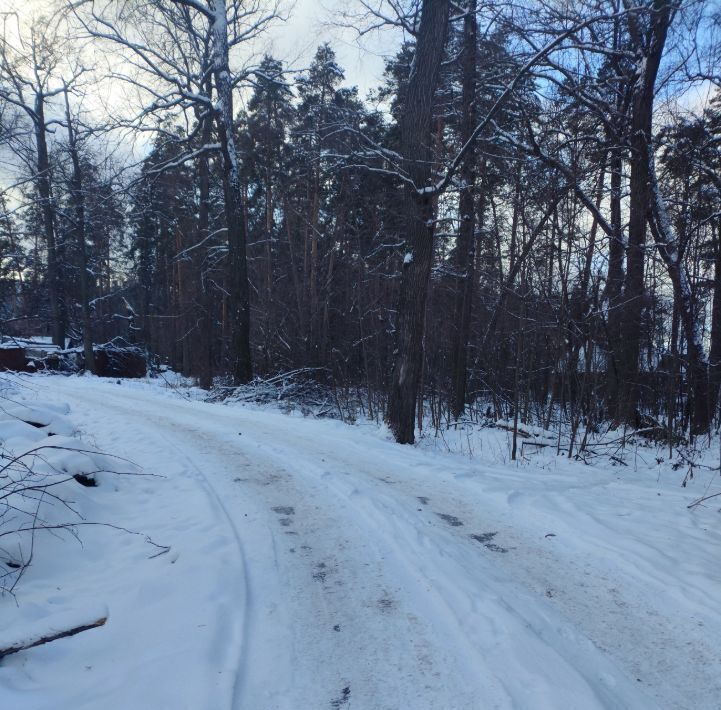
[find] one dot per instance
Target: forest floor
(315, 565)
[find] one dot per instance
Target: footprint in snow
(321, 572)
(486, 540)
(342, 699)
(285, 511)
(385, 604)
(450, 519)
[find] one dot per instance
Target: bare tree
(175, 53)
(30, 77)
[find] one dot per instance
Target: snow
(47, 417)
(408, 258)
(312, 564)
(641, 69)
(38, 346)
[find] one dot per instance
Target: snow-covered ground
(318, 565)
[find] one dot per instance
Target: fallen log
(52, 636)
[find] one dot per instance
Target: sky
(309, 23)
(312, 22)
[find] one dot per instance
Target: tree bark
(650, 50)
(55, 290)
(664, 235)
(206, 319)
(466, 235)
(715, 352)
(615, 279)
(239, 301)
(78, 199)
(418, 208)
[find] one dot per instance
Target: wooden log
(13, 359)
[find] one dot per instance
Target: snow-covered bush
(46, 473)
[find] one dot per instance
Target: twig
(702, 500)
(23, 646)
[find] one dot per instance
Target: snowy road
(342, 571)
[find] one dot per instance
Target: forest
(360, 354)
(522, 222)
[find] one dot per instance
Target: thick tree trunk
(666, 240)
(54, 277)
(239, 301)
(78, 199)
(629, 344)
(419, 215)
(650, 49)
(205, 346)
(466, 250)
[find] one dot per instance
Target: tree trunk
(206, 302)
(239, 301)
(614, 279)
(55, 290)
(668, 247)
(715, 353)
(418, 208)
(78, 199)
(640, 205)
(664, 235)
(269, 224)
(466, 236)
